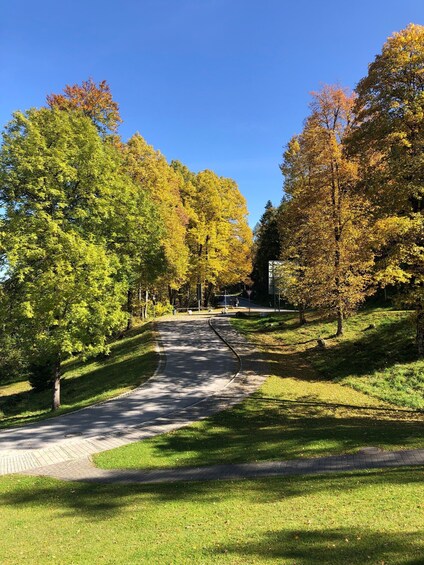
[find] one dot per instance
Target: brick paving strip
(368, 458)
(69, 458)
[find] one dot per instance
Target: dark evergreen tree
(267, 248)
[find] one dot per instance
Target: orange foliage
(95, 101)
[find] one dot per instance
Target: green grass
(286, 419)
(296, 413)
(380, 361)
(132, 360)
(363, 517)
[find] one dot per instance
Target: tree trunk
(302, 317)
(172, 294)
(56, 386)
(420, 332)
(130, 309)
(208, 294)
(339, 322)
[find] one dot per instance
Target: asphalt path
(197, 365)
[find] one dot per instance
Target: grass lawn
(363, 517)
(298, 412)
(132, 360)
(380, 360)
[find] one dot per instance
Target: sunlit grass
(355, 518)
(376, 354)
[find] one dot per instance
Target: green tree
(136, 229)
(67, 299)
(64, 279)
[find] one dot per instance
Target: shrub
(41, 374)
(13, 363)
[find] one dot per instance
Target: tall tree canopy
(388, 138)
(329, 243)
(90, 224)
(154, 176)
(58, 187)
(218, 235)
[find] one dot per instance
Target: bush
(160, 309)
(41, 374)
(13, 364)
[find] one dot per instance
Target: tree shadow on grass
(261, 430)
(290, 519)
(101, 501)
(332, 546)
(374, 350)
(280, 322)
(265, 428)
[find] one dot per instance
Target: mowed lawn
(308, 406)
(376, 354)
(132, 360)
(354, 518)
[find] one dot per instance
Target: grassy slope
(132, 360)
(298, 412)
(380, 361)
(356, 518)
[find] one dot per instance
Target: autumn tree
(388, 139)
(218, 236)
(297, 238)
(329, 244)
(237, 263)
(154, 177)
(93, 100)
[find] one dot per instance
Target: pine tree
(266, 247)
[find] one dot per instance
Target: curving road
(197, 366)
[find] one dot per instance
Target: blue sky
(218, 84)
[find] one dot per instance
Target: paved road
(192, 384)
